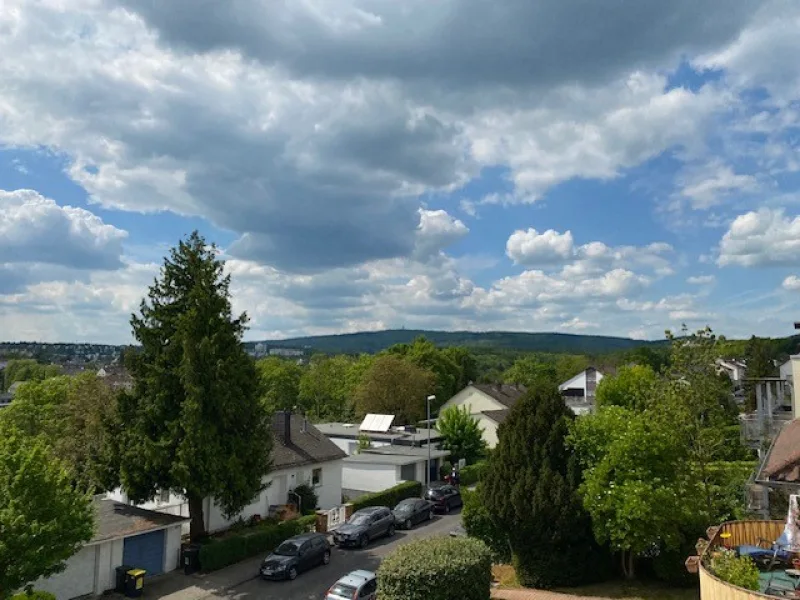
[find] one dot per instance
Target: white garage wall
(369, 477)
(76, 580)
(172, 555)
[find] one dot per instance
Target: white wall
(76, 580)
(795, 388)
(172, 553)
(475, 401)
(369, 477)
(489, 428)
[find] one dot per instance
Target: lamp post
(428, 465)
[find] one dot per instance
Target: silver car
(358, 585)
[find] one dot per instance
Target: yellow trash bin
(134, 583)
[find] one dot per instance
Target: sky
(615, 168)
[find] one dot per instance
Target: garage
(77, 579)
(145, 552)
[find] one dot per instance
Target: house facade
(489, 404)
(579, 391)
(124, 535)
(377, 469)
(346, 436)
(300, 455)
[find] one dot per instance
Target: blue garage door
(145, 551)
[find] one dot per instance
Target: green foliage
(262, 539)
(545, 369)
(472, 474)
(279, 383)
(326, 389)
(364, 443)
(71, 414)
(43, 519)
(463, 436)
(34, 595)
(632, 387)
(736, 570)
(425, 355)
(759, 364)
(193, 421)
(467, 365)
(390, 497)
(478, 523)
(27, 369)
(530, 489)
(393, 385)
(308, 497)
(444, 568)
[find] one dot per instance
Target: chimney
(287, 427)
(304, 426)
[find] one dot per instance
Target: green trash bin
(134, 583)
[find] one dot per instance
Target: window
(369, 588)
(163, 496)
(316, 477)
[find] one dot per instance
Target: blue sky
(552, 166)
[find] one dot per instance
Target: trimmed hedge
(472, 474)
(390, 497)
(445, 568)
(478, 524)
(34, 595)
(256, 540)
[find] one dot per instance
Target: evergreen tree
(193, 422)
(531, 487)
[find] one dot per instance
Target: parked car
(296, 554)
(444, 497)
(358, 585)
(365, 525)
(411, 511)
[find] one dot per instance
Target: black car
(444, 497)
(411, 511)
(296, 554)
(365, 525)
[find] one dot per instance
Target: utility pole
(428, 465)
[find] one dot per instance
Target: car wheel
(326, 558)
(363, 541)
(430, 515)
(292, 574)
(407, 524)
(447, 507)
(390, 531)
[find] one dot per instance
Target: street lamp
(428, 465)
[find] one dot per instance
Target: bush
(308, 498)
(478, 524)
(34, 595)
(736, 570)
(257, 540)
(472, 474)
(390, 497)
(444, 568)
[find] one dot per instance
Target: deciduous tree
(393, 385)
(27, 369)
(631, 387)
(463, 437)
(424, 354)
(325, 393)
(193, 423)
(279, 383)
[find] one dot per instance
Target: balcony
(732, 535)
(758, 430)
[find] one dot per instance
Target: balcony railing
(757, 429)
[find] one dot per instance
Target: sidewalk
(500, 594)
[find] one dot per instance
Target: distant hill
(375, 341)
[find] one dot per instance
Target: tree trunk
(627, 563)
(197, 525)
(631, 565)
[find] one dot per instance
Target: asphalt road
(314, 583)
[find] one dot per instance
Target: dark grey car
(411, 511)
(296, 554)
(365, 525)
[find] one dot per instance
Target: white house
(300, 454)
(735, 369)
(346, 435)
(377, 469)
(579, 391)
(124, 535)
(489, 404)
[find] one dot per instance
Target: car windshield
(342, 589)
(359, 520)
(404, 507)
(287, 549)
(437, 493)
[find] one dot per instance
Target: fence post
(348, 510)
(322, 521)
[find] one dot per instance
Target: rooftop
(115, 520)
(392, 459)
(504, 393)
(782, 463)
(351, 431)
(306, 444)
(498, 416)
(405, 451)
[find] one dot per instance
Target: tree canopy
(27, 369)
(395, 386)
(279, 383)
(632, 386)
(463, 437)
(193, 422)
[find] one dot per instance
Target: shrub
(472, 474)
(308, 498)
(390, 497)
(444, 568)
(34, 595)
(736, 570)
(257, 540)
(478, 524)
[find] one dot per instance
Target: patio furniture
(779, 553)
(781, 587)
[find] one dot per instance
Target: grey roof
(305, 447)
(498, 416)
(422, 452)
(115, 520)
(352, 432)
(505, 394)
(392, 459)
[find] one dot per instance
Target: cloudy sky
(615, 167)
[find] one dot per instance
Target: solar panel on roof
(377, 423)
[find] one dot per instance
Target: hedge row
(256, 540)
(34, 595)
(444, 568)
(390, 497)
(471, 474)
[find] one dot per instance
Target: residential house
(733, 368)
(300, 454)
(346, 436)
(124, 535)
(116, 377)
(579, 391)
(376, 469)
(489, 404)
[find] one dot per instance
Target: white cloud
(761, 238)
(436, 231)
(701, 279)
(792, 283)
(709, 185)
(533, 248)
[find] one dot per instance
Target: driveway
(239, 582)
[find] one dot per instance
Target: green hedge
(34, 595)
(445, 568)
(471, 474)
(390, 497)
(261, 539)
(478, 523)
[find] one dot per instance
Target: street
(233, 583)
